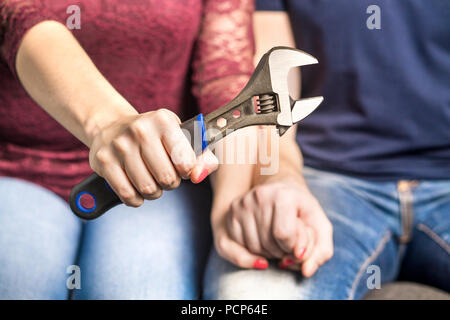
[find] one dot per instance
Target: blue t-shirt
(386, 113)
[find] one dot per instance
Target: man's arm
(225, 185)
(273, 28)
(278, 217)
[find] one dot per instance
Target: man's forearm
(234, 179)
(290, 160)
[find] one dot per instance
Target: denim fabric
(39, 239)
(367, 221)
(157, 251)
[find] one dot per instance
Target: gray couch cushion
(406, 291)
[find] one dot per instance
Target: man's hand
(279, 219)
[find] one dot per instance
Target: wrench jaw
(304, 107)
(300, 110)
(281, 61)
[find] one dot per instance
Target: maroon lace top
(144, 48)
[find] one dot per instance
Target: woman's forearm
(58, 74)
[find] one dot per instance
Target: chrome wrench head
(280, 61)
(273, 106)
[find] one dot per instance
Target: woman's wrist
(100, 119)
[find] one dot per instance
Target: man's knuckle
(235, 205)
(280, 233)
(329, 227)
(260, 194)
(279, 192)
(234, 219)
(265, 242)
(222, 246)
(247, 202)
(328, 254)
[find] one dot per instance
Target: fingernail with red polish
(260, 264)
(288, 262)
(202, 176)
(285, 263)
(301, 254)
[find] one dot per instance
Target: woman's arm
(63, 80)
(223, 64)
(132, 151)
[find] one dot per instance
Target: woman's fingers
(206, 164)
(142, 154)
(318, 250)
(141, 178)
(106, 164)
(125, 149)
(310, 267)
(321, 253)
(180, 151)
(239, 255)
(303, 240)
(119, 182)
(323, 233)
(304, 243)
(152, 152)
(160, 165)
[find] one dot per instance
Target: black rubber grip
(93, 196)
(97, 193)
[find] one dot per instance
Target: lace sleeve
(223, 59)
(16, 17)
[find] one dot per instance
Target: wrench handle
(93, 196)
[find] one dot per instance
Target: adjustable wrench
(265, 100)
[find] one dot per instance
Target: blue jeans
(157, 251)
(381, 229)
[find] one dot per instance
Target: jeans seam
(406, 199)
(366, 263)
(433, 236)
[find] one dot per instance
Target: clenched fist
(279, 220)
(141, 155)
